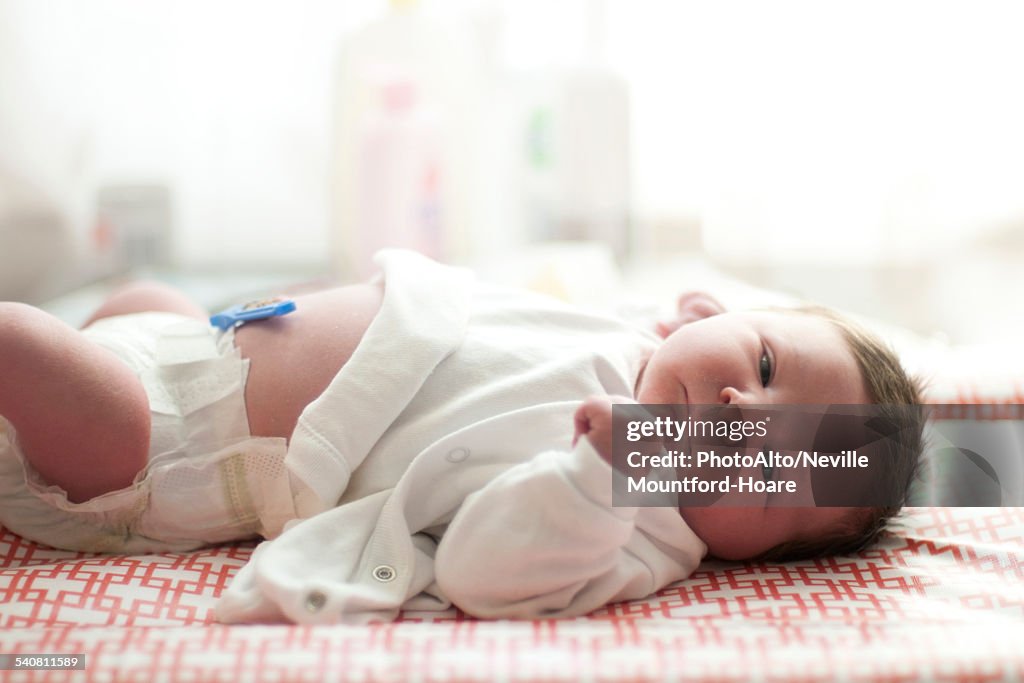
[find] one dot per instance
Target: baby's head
(778, 357)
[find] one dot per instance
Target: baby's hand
(593, 420)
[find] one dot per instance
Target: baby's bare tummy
(294, 358)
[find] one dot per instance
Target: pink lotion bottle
(400, 176)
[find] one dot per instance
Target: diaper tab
(232, 491)
(192, 369)
(185, 342)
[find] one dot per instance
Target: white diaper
(207, 480)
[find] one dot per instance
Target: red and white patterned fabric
(942, 599)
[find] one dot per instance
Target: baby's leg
(81, 415)
(143, 296)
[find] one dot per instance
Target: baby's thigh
(81, 415)
(144, 296)
(295, 357)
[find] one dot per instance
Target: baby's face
(754, 358)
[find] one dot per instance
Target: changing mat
(943, 599)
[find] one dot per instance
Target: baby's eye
(766, 369)
(767, 471)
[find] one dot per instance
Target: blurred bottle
(404, 127)
(35, 242)
(399, 178)
(133, 226)
(576, 149)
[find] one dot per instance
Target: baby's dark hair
(898, 397)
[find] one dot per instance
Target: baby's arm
(544, 539)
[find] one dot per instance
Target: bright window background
(882, 137)
(823, 130)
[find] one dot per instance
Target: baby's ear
(691, 307)
(698, 305)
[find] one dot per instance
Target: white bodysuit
(437, 468)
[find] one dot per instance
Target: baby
(409, 443)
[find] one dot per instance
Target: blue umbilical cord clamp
(254, 310)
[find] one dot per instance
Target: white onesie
(437, 468)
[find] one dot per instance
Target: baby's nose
(731, 395)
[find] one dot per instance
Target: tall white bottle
(404, 124)
(576, 152)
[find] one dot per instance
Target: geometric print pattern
(940, 599)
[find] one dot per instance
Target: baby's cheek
(731, 533)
